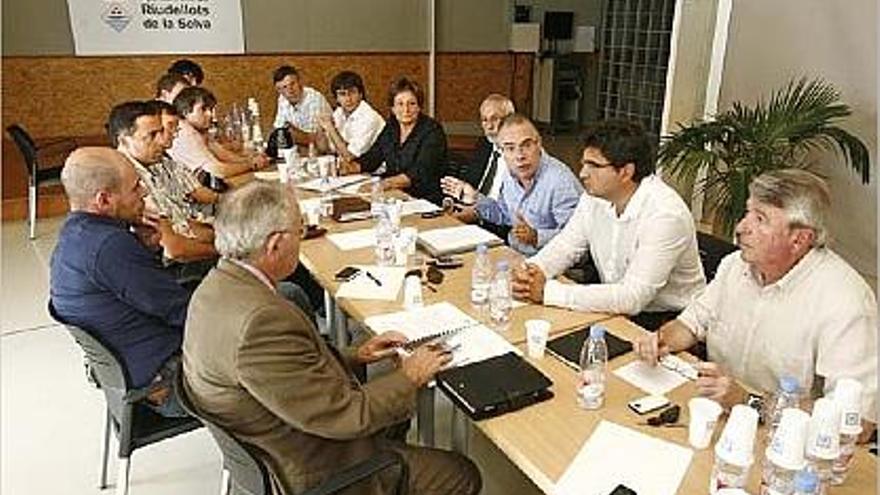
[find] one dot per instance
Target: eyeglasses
(526, 146)
(590, 164)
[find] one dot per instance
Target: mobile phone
(647, 404)
(447, 262)
(432, 214)
(346, 274)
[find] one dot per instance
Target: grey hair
(88, 171)
(502, 101)
(804, 196)
(247, 216)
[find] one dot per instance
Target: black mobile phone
(432, 214)
(346, 274)
(447, 262)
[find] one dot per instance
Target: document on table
(655, 380)
(615, 455)
(268, 175)
(356, 239)
(470, 340)
(459, 239)
(374, 282)
(417, 207)
(332, 183)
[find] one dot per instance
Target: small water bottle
(481, 278)
(280, 142)
(806, 483)
(594, 364)
(787, 395)
(776, 480)
(384, 241)
(848, 396)
(377, 201)
(500, 300)
(312, 164)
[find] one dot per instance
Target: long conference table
(543, 439)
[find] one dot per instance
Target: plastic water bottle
(727, 475)
(848, 396)
(384, 241)
(280, 142)
(777, 480)
(594, 364)
(377, 202)
(481, 278)
(787, 395)
(806, 483)
(500, 301)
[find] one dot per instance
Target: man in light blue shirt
(538, 194)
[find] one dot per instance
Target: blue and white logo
(116, 16)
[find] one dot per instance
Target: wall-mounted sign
(118, 27)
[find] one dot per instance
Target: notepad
(356, 239)
(460, 239)
(417, 206)
(615, 455)
(383, 285)
(655, 380)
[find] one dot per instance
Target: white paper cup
(313, 215)
(283, 172)
(823, 434)
(848, 396)
(412, 292)
(537, 332)
(703, 418)
(737, 441)
(786, 448)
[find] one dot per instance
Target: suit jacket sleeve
(283, 365)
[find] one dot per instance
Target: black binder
(494, 386)
(567, 348)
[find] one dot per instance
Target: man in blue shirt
(103, 278)
(538, 194)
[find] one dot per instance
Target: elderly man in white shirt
(354, 125)
(785, 304)
(637, 229)
(298, 105)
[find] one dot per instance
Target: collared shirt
(547, 204)
(422, 157)
(818, 320)
(161, 199)
(255, 272)
(190, 149)
(360, 129)
(303, 115)
(647, 258)
(104, 280)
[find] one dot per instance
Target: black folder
(567, 348)
(494, 386)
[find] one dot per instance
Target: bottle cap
(502, 265)
(597, 332)
(788, 384)
(481, 248)
(806, 481)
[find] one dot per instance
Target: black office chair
(135, 424)
(712, 251)
(37, 174)
(244, 473)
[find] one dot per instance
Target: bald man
(105, 281)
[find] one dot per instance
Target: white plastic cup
(704, 415)
(412, 292)
(786, 448)
(737, 443)
(823, 434)
(537, 332)
(848, 396)
(283, 172)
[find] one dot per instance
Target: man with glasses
(538, 193)
(637, 229)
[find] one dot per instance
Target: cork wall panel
(71, 96)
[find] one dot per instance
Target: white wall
(773, 41)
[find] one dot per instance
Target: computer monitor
(558, 25)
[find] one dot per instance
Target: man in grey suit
(255, 364)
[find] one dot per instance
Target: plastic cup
(703, 418)
(848, 396)
(412, 292)
(823, 434)
(537, 332)
(283, 172)
(313, 215)
(737, 441)
(786, 448)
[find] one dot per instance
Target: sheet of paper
(356, 239)
(473, 342)
(384, 285)
(615, 455)
(456, 239)
(332, 183)
(417, 207)
(655, 380)
(268, 175)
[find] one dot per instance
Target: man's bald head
(88, 171)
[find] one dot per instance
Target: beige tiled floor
(52, 418)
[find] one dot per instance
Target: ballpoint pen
(373, 278)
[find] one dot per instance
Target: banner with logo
(121, 27)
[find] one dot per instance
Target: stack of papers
(459, 239)
(383, 283)
(356, 239)
(615, 455)
(471, 341)
(333, 183)
(417, 207)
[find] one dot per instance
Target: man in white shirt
(354, 125)
(637, 229)
(785, 304)
(298, 106)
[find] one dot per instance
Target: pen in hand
(373, 278)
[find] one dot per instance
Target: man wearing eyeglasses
(638, 231)
(538, 192)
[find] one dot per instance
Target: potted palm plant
(719, 157)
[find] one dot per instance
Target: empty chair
(135, 424)
(38, 173)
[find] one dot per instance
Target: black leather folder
(494, 386)
(567, 348)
